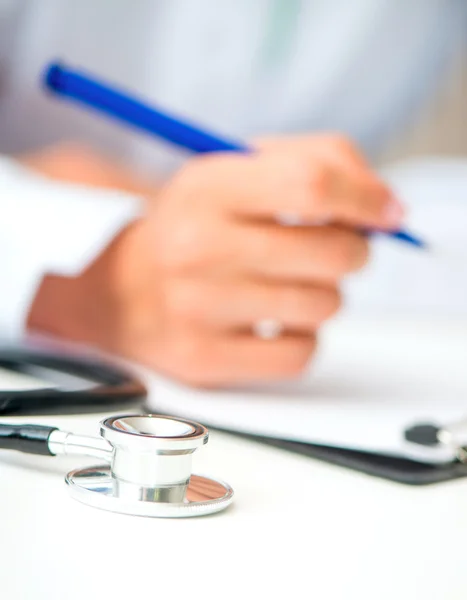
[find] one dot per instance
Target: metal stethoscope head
(148, 465)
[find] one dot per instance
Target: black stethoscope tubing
(114, 386)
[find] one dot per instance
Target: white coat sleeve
(47, 226)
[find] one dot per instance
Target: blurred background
(440, 128)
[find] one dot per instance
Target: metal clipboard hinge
(454, 436)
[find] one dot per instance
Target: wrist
(85, 308)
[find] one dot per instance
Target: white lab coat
(242, 67)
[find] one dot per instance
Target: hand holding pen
(209, 288)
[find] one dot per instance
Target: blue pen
(85, 89)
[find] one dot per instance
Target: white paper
(409, 281)
(371, 380)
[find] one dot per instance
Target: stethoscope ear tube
(32, 439)
(113, 387)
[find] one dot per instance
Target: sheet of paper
(405, 280)
(372, 379)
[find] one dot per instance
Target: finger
(356, 200)
(333, 147)
(267, 186)
(238, 359)
(307, 254)
(340, 151)
(336, 151)
(240, 304)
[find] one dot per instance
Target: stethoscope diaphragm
(96, 487)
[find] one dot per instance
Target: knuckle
(350, 252)
(294, 301)
(361, 253)
(333, 303)
(300, 304)
(317, 305)
(341, 143)
(321, 183)
(326, 303)
(290, 176)
(202, 173)
(320, 179)
(297, 357)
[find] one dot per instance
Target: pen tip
(411, 239)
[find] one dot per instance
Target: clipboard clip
(453, 436)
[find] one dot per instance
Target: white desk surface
(298, 528)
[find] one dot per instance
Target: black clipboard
(399, 470)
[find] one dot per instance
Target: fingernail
(394, 212)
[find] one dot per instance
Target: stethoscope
(148, 458)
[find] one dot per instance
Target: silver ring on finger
(268, 329)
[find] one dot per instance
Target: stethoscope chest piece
(147, 458)
(95, 486)
(150, 470)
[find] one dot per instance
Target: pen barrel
(116, 103)
(97, 95)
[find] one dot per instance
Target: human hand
(183, 288)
